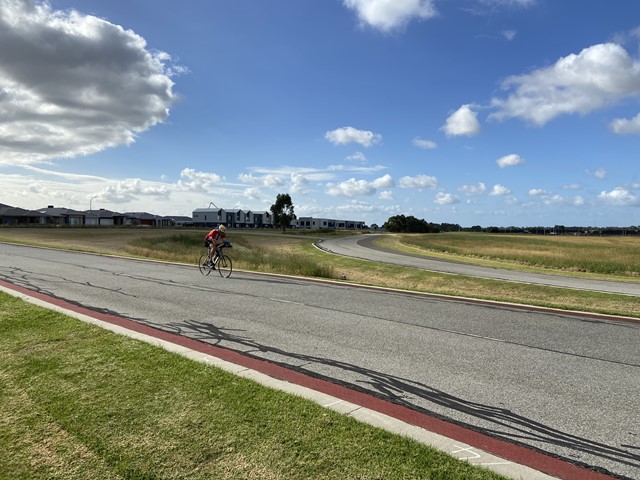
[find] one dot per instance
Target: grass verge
(79, 402)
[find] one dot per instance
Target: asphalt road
(362, 246)
(561, 383)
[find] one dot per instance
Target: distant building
(237, 218)
(311, 222)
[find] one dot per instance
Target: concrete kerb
(453, 447)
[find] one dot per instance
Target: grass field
(610, 256)
(79, 402)
(296, 255)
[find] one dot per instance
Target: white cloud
(353, 187)
(509, 34)
(346, 135)
(74, 84)
(463, 122)
(623, 126)
(194, 181)
(357, 157)
(510, 160)
(559, 200)
(473, 190)
(386, 195)
(386, 181)
(600, 173)
(446, 198)
(425, 144)
(388, 15)
(419, 182)
(596, 78)
(619, 196)
(499, 190)
(252, 193)
(130, 189)
(299, 183)
(272, 181)
(537, 192)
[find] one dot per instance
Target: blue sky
(476, 112)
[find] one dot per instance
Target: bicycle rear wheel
(224, 266)
(203, 264)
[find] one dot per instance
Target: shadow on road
(503, 423)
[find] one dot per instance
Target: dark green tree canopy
(282, 211)
(409, 224)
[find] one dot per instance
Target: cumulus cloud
(388, 15)
(353, 187)
(500, 191)
(419, 181)
(537, 192)
(425, 144)
(559, 200)
(130, 189)
(252, 193)
(463, 122)
(346, 135)
(619, 196)
(510, 160)
(446, 198)
(623, 126)
(194, 181)
(473, 190)
(73, 84)
(597, 77)
(299, 183)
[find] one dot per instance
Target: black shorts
(207, 242)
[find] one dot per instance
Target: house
(62, 216)
(181, 221)
(103, 218)
(19, 216)
(233, 218)
(146, 219)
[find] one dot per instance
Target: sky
(471, 112)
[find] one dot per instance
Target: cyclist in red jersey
(213, 240)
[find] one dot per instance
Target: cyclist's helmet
(222, 228)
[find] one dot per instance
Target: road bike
(221, 262)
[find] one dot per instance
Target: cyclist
(213, 240)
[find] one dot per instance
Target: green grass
(79, 402)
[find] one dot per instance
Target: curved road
(565, 384)
(363, 247)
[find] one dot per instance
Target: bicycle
(221, 262)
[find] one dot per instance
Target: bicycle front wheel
(224, 266)
(203, 264)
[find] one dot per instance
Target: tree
(282, 211)
(410, 224)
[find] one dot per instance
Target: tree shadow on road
(494, 421)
